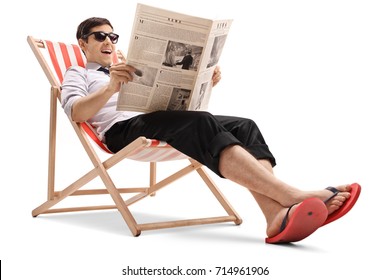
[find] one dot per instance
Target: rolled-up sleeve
(73, 87)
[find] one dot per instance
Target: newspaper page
(175, 56)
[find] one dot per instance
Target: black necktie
(105, 70)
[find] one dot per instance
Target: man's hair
(86, 26)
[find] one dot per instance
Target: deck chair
(55, 58)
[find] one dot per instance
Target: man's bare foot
(275, 220)
(337, 201)
(333, 204)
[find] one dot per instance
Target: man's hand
(120, 73)
(216, 76)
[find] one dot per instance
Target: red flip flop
(347, 206)
(306, 219)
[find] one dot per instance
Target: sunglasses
(101, 36)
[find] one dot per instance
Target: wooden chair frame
(100, 169)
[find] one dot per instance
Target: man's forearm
(86, 107)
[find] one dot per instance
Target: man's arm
(87, 106)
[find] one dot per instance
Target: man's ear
(82, 44)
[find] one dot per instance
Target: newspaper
(175, 56)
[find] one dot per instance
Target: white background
(313, 74)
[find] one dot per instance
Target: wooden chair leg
(52, 142)
(153, 175)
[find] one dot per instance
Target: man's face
(99, 52)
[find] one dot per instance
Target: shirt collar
(92, 66)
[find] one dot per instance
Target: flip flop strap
(284, 222)
(334, 191)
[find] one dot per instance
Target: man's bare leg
(239, 166)
(273, 211)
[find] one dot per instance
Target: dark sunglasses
(101, 36)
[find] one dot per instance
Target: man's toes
(332, 208)
(336, 202)
(344, 188)
(342, 196)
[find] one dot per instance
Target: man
(232, 147)
(187, 60)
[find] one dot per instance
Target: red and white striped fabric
(156, 151)
(63, 56)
